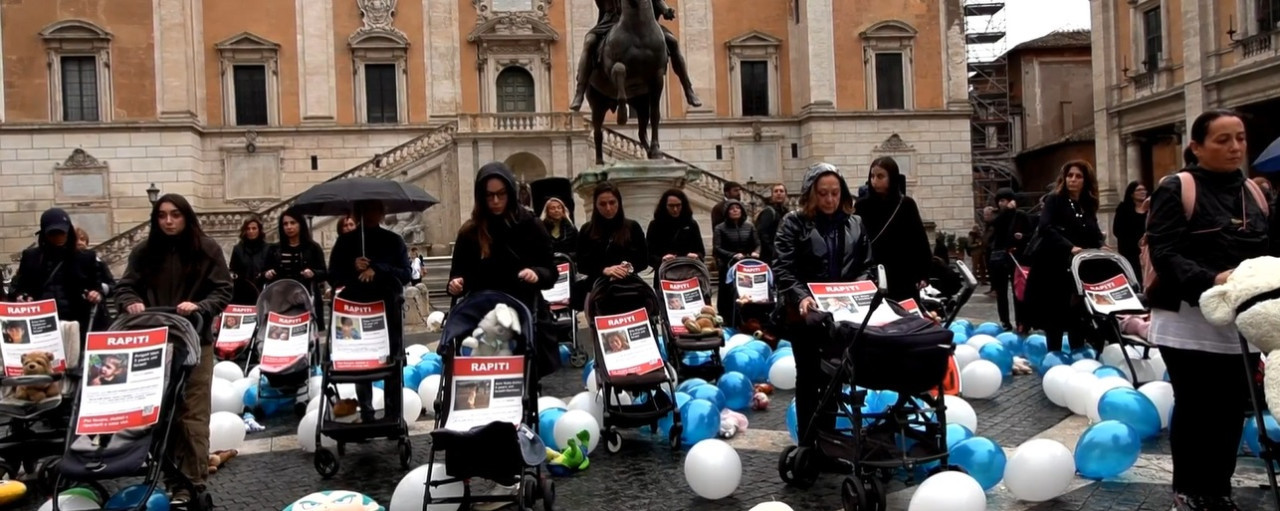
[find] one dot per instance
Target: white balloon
(713, 469)
(314, 385)
(618, 399)
(1099, 388)
(574, 421)
(1112, 355)
(226, 431)
(314, 404)
(965, 354)
(1146, 371)
(1039, 470)
(428, 391)
(772, 506)
(412, 408)
(1086, 366)
(242, 385)
(546, 402)
(593, 384)
(959, 412)
(1161, 394)
(783, 373)
(733, 342)
(415, 351)
(949, 491)
(307, 433)
(978, 341)
(1156, 363)
(1079, 386)
(410, 491)
(71, 502)
(255, 374)
(980, 379)
(1055, 384)
(379, 399)
(224, 397)
(590, 403)
(227, 370)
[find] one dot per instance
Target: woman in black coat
(564, 236)
(1068, 225)
(673, 232)
(298, 257)
(249, 260)
(897, 233)
(735, 239)
(609, 245)
(1130, 224)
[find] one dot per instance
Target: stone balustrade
(532, 122)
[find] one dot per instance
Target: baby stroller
(909, 356)
(1106, 282)
(244, 295)
(36, 430)
(500, 443)
(950, 288)
(284, 375)
(388, 423)
(633, 298)
(563, 316)
(672, 282)
(756, 298)
(98, 446)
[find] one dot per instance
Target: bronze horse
(632, 71)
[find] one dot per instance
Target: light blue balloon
(982, 458)
(1050, 360)
(784, 344)
(959, 337)
(251, 396)
(737, 390)
(793, 423)
(547, 426)
(412, 378)
(1013, 342)
(587, 370)
(378, 384)
(701, 421)
(1105, 371)
(999, 355)
(780, 353)
(1084, 353)
(965, 324)
(957, 433)
(688, 385)
(1250, 434)
(665, 423)
(710, 393)
(1007, 337)
(747, 362)
(1037, 348)
(429, 366)
(1107, 449)
(987, 328)
(565, 353)
(1130, 407)
(760, 347)
(131, 497)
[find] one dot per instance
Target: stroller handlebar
(195, 318)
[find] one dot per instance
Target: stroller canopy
(286, 297)
(465, 316)
(685, 268)
(184, 337)
(621, 296)
(549, 188)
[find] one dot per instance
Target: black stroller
(756, 299)
(388, 423)
(284, 376)
(562, 314)
(507, 451)
(671, 283)
(624, 297)
(244, 299)
(910, 356)
(950, 288)
(97, 449)
(1106, 283)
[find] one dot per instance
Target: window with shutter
(79, 88)
(890, 81)
(755, 87)
(251, 95)
(380, 93)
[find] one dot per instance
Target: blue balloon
(701, 421)
(251, 396)
(999, 355)
(565, 353)
(1085, 353)
(435, 357)
(1130, 407)
(1250, 435)
(780, 353)
(784, 344)
(1013, 342)
(957, 433)
(729, 332)
(1037, 348)
(793, 422)
(696, 358)
(982, 459)
(131, 497)
(1007, 337)
(988, 328)
(737, 390)
(1107, 449)
(959, 337)
(412, 378)
(760, 347)
(710, 393)
(547, 426)
(1105, 371)
(587, 370)
(880, 400)
(378, 384)
(747, 362)
(665, 423)
(965, 324)
(1051, 360)
(429, 366)
(688, 385)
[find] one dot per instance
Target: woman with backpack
(1191, 250)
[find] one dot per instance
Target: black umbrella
(552, 188)
(338, 198)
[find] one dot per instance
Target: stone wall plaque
(512, 5)
(758, 161)
(253, 175)
(86, 186)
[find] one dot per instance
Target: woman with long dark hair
(1130, 224)
(897, 234)
(297, 257)
(673, 232)
(55, 269)
(555, 219)
(609, 245)
(249, 258)
(179, 266)
(734, 239)
(1068, 225)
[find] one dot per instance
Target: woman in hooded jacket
(55, 269)
(734, 240)
(823, 241)
(298, 257)
(673, 232)
(249, 260)
(898, 237)
(555, 219)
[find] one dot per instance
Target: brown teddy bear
(37, 363)
(706, 322)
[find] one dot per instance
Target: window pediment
(754, 39)
(513, 26)
(890, 29)
(246, 41)
(74, 29)
(378, 40)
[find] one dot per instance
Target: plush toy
(731, 423)
(220, 458)
(493, 338)
(572, 459)
(335, 500)
(706, 322)
(37, 363)
(1251, 298)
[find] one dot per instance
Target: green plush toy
(573, 458)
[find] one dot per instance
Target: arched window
(515, 90)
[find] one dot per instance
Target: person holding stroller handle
(298, 257)
(823, 241)
(1226, 227)
(179, 266)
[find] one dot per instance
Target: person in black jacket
(1226, 227)
(609, 245)
(555, 220)
(1010, 231)
(55, 269)
(897, 232)
(298, 257)
(1130, 223)
(249, 260)
(673, 232)
(734, 240)
(769, 219)
(504, 248)
(821, 242)
(1068, 225)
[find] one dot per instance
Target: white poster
(628, 343)
(236, 327)
(286, 342)
(559, 294)
(752, 281)
(124, 381)
(1114, 295)
(360, 338)
(485, 390)
(682, 300)
(850, 302)
(30, 327)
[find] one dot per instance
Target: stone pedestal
(641, 182)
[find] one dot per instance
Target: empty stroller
(684, 285)
(1106, 282)
(562, 314)
(284, 343)
(909, 356)
(123, 421)
(756, 299)
(624, 316)
(361, 350)
(237, 320)
(487, 411)
(950, 288)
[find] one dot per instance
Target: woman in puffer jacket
(734, 239)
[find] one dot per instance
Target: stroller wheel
(796, 467)
(578, 359)
(673, 436)
(548, 493)
(203, 501)
(342, 448)
(874, 489)
(326, 463)
(852, 496)
(528, 492)
(47, 474)
(7, 472)
(406, 452)
(613, 440)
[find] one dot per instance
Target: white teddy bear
(1251, 297)
(493, 337)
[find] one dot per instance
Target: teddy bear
(1251, 298)
(705, 322)
(493, 337)
(36, 363)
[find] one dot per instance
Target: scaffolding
(992, 122)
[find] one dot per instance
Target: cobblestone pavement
(272, 472)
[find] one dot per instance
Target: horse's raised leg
(599, 108)
(654, 118)
(618, 73)
(642, 120)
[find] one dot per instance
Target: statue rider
(610, 11)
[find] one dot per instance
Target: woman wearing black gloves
(610, 245)
(299, 258)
